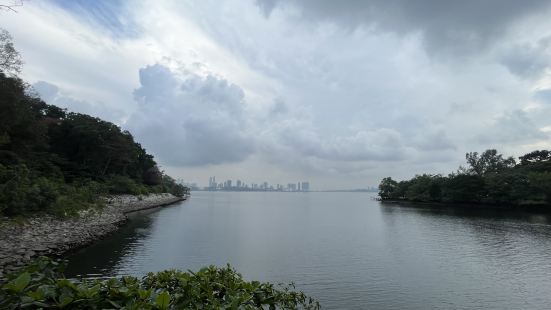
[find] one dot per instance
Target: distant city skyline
(239, 185)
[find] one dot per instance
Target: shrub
(42, 285)
(21, 191)
(118, 184)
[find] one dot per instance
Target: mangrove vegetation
(488, 178)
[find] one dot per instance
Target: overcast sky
(340, 93)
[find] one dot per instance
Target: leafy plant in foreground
(42, 285)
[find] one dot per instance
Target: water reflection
(101, 258)
(346, 249)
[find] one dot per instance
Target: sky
(338, 93)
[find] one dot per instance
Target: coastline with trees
(488, 179)
(66, 179)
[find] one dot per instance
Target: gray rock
(20, 243)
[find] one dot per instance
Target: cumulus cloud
(194, 120)
(187, 119)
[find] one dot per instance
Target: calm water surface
(345, 249)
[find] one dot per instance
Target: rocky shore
(20, 242)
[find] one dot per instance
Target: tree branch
(11, 7)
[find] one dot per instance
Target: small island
(488, 179)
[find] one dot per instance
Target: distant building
(212, 183)
(305, 186)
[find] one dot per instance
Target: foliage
(10, 59)
(489, 178)
(42, 285)
(488, 162)
(388, 189)
(23, 190)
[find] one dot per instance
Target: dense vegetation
(42, 285)
(489, 178)
(57, 161)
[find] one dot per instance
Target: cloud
(511, 128)
(343, 92)
(434, 141)
(107, 15)
(529, 61)
(51, 94)
(190, 120)
(543, 95)
(456, 27)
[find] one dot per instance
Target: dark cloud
(529, 61)
(190, 120)
(458, 27)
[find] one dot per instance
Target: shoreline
(471, 206)
(47, 235)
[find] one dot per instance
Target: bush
(42, 285)
(21, 191)
(118, 184)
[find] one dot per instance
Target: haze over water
(345, 249)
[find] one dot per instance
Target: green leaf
(65, 301)
(114, 304)
(144, 294)
(21, 282)
(163, 300)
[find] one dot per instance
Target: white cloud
(190, 119)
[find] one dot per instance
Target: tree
(424, 188)
(10, 59)
(535, 157)
(463, 188)
(387, 188)
(153, 176)
(11, 6)
(489, 161)
(542, 183)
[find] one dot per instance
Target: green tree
(387, 188)
(424, 188)
(541, 181)
(488, 162)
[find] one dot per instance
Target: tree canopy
(488, 178)
(10, 60)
